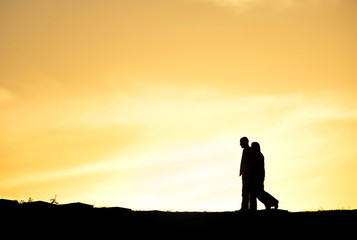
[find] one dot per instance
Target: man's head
(244, 142)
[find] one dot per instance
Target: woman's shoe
(276, 205)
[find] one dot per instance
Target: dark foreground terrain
(84, 221)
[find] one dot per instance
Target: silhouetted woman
(267, 199)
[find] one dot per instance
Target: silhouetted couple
(253, 174)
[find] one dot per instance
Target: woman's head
(255, 146)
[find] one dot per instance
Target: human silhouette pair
(252, 171)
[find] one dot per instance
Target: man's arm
(241, 164)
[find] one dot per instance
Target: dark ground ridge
(80, 220)
(6, 204)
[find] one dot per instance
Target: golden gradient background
(141, 103)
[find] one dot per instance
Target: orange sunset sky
(141, 103)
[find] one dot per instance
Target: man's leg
(252, 202)
(245, 195)
(245, 202)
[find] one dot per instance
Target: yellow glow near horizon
(141, 104)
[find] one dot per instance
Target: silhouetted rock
(40, 205)
(6, 204)
(117, 210)
(76, 205)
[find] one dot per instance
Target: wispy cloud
(6, 96)
(279, 4)
(244, 3)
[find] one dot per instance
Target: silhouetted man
(247, 171)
